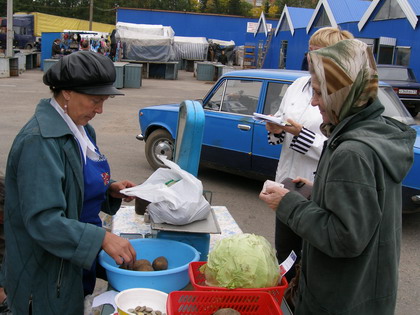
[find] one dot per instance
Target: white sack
(179, 203)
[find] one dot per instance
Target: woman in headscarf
(351, 227)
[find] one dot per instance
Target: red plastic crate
(198, 281)
(208, 302)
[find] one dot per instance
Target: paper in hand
(272, 119)
(269, 184)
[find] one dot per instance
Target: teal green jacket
(352, 226)
(46, 245)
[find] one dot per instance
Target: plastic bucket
(131, 298)
(179, 256)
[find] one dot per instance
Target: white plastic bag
(176, 196)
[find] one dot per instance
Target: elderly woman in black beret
(57, 182)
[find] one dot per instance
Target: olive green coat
(352, 227)
(46, 246)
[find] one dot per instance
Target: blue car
(404, 83)
(235, 142)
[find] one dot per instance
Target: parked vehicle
(23, 29)
(404, 83)
(235, 142)
(28, 27)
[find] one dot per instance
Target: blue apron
(96, 182)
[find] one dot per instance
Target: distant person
(74, 43)
(105, 47)
(85, 45)
(222, 58)
(38, 45)
(65, 44)
(304, 65)
(56, 48)
(113, 50)
(210, 53)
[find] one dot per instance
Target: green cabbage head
(242, 261)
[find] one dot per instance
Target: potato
(141, 265)
(160, 263)
(144, 267)
(226, 311)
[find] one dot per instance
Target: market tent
(146, 42)
(192, 48)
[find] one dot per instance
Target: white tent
(192, 48)
(146, 42)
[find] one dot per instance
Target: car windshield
(396, 74)
(393, 106)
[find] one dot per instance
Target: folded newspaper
(267, 118)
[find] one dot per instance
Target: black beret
(85, 72)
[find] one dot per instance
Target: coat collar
(51, 124)
(371, 112)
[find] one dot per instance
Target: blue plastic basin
(179, 256)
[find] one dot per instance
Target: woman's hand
(120, 249)
(273, 128)
(303, 180)
(294, 128)
(273, 195)
(115, 187)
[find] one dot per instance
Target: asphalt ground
(117, 127)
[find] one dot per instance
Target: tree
(214, 6)
(104, 10)
(266, 6)
(274, 11)
(234, 7)
(202, 5)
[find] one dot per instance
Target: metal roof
(411, 9)
(348, 10)
(415, 5)
(300, 16)
(340, 11)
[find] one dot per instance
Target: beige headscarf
(348, 79)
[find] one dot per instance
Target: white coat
(299, 154)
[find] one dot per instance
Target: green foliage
(104, 10)
(266, 6)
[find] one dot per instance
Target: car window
(393, 106)
(236, 96)
(274, 96)
(397, 74)
(216, 100)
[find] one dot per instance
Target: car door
(265, 157)
(229, 126)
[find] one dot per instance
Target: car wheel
(159, 142)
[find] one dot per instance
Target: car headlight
(416, 199)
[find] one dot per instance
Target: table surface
(127, 221)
